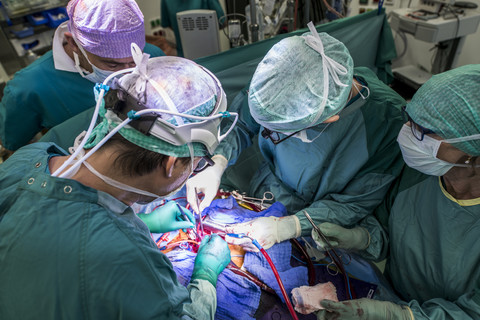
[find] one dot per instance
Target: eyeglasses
(203, 164)
(275, 136)
(417, 130)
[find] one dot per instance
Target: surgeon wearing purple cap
(87, 48)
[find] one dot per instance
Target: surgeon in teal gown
(169, 9)
(336, 165)
(52, 89)
(431, 216)
(71, 247)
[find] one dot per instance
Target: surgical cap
(191, 89)
(106, 28)
(287, 88)
(449, 105)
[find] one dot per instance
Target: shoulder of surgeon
(153, 50)
(40, 75)
(379, 91)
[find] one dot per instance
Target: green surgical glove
(356, 238)
(167, 218)
(363, 309)
(212, 257)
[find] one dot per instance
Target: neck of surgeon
(463, 183)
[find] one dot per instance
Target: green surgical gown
(169, 9)
(433, 252)
(68, 251)
(40, 96)
(340, 177)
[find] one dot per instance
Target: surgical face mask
(422, 155)
(97, 76)
(364, 97)
(302, 135)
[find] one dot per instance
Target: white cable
(124, 123)
(92, 123)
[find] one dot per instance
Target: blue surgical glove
(212, 257)
(167, 218)
(363, 309)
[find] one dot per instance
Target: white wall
(151, 11)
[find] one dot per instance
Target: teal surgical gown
(40, 96)
(340, 177)
(433, 252)
(68, 251)
(169, 9)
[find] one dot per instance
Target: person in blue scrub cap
(92, 44)
(326, 132)
(431, 216)
(70, 243)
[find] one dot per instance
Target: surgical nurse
(71, 245)
(92, 44)
(327, 134)
(431, 216)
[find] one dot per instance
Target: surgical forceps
(197, 200)
(336, 260)
(260, 203)
(186, 218)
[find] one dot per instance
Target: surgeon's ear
(70, 42)
(170, 165)
(332, 119)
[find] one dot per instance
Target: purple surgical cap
(106, 28)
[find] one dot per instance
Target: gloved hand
(167, 218)
(266, 230)
(207, 182)
(363, 309)
(212, 257)
(356, 238)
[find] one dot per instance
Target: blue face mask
(422, 155)
(97, 76)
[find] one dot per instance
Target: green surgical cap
(287, 88)
(449, 105)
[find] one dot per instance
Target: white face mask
(302, 135)
(422, 155)
(97, 76)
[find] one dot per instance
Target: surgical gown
(434, 252)
(169, 9)
(68, 251)
(343, 174)
(40, 96)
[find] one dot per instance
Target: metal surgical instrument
(187, 219)
(337, 261)
(198, 208)
(261, 203)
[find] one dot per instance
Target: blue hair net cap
(287, 88)
(449, 105)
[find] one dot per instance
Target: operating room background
(417, 52)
